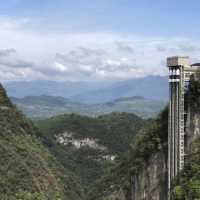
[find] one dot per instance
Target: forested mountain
(136, 175)
(142, 174)
(28, 171)
(48, 106)
(114, 156)
(89, 146)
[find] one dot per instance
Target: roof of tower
(177, 61)
(196, 64)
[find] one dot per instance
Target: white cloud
(29, 51)
(60, 67)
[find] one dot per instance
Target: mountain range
(150, 87)
(48, 106)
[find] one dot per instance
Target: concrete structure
(179, 77)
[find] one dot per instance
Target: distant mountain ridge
(65, 89)
(129, 98)
(42, 100)
(150, 87)
(48, 106)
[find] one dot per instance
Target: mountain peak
(129, 98)
(4, 100)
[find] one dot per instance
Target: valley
(88, 146)
(99, 100)
(108, 151)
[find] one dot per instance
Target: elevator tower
(179, 77)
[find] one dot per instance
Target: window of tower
(182, 151)
(187, 75)
(182, 144)
(182, 137)
(182, 129)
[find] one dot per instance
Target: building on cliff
(179, 77)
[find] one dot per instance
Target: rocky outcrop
(68, 139)
(149, 183)
(192, 128)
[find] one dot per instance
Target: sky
(89, 40)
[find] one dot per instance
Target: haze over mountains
(42, 99)
(48, 106)
(150, 87)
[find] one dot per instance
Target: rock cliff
(142, 175)
(149, 183)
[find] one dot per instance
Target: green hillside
(115, 184)
(109, 134)
(28, 171)
(48, 106)
(152, 139)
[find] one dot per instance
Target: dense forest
(116, 184)
(113, 133)
(28, 171)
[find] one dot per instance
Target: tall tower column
(176, 117)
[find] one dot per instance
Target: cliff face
(142, 174)
(151, 180)
(192, 128)
(188, 184)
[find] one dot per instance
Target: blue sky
(146, 17)
(89, 39)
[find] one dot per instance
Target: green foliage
(22, 195)
(4, 101)
(114, 131)
(151, 139)
(188, 184)
(28, 171)
(178, 193)
(147, 142)
(193, 95)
